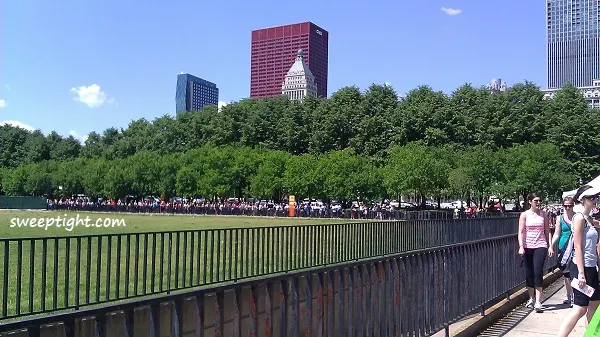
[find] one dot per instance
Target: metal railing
(413, 293)
(368, 214)
(41, 275)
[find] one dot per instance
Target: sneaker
(529, 303)
(538, 307)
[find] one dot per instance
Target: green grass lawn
(57, 270)
(135, 223)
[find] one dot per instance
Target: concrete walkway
(526, 322)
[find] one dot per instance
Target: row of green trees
(370, 122)
(208, 171)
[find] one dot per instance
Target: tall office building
(192, 93)
(573, 42)
(274, 51)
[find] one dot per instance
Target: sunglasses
(568, 206)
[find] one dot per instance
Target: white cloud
(387, 84)
(92, 96)
(2, 103)
(451, 11)
(221, 105)
(81, 138)
(18, 124)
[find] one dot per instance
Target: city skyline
(109, 66)
(273, 51)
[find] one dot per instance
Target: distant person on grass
(534, 236)
(585, 260)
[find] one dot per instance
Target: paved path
(526, 322)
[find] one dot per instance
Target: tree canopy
(355, 144)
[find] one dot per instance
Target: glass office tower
(192, 93)
(573, 42)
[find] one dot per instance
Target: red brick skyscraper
(274, 50)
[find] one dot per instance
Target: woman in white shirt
(585, 261)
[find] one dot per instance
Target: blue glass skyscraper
(193, 93)
(573, 42)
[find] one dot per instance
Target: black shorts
(591, 278)
(565, 271)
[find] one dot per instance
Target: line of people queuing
(379, 211)
(576, 236)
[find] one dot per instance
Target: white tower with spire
(299, 81)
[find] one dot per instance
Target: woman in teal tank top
(562, 234)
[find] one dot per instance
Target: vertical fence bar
(108, 265)
(218, 261)
(67, 270)
(185, 254)
(169, 260)
(118, 269)
(99, 268)
(192, 246)
(54, 276)
(153, 271)
(145, 269)
(31, 274)
(128, 263)
(19, 277)
(44, 266)
(78, 273)
(177, 255)
(199, 235)
(136, 265)
(5, 281)
(206, 261)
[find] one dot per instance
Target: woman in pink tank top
(534, 235)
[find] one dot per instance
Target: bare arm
(598, 254)
(549, 234)
(578, 226)
(557, 231)
(521, 229)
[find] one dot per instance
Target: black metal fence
(368, 214)
(412, 293)
(40, 275)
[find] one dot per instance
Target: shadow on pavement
(512, 319)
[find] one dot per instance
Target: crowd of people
(575, 235)
(234, 206)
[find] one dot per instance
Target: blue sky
(76, 66)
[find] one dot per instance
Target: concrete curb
(476, 325)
